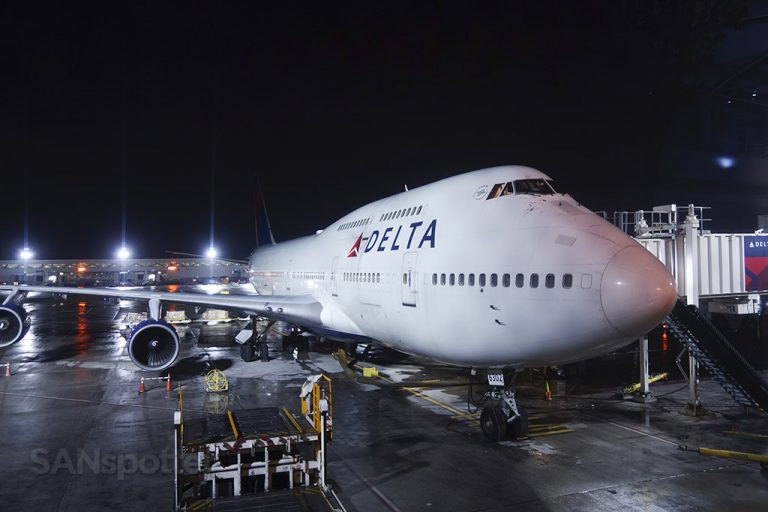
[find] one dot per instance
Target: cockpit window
(501, 189)
(495, 191)
(533, 186)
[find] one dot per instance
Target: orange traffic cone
(168, 383)
(8, 370)
(141, 385)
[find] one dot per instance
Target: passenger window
(452, 279)
(442, 279)
(505, 280)
(494, 280)
(378, 277)
(461, 279)
(471, 280)
(481, 280)
(434, 279)
(407, 213)
(567, 280)
(586, 281)
(534, 280)
(549, 281)
(418, 211)
(519, 280)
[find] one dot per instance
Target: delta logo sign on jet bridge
(756, 263)
(387, 241)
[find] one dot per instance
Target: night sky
(332, 105)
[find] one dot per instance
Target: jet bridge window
(535, 186)
(549, 281)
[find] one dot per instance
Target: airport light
(212, 252)
(123, 253)
(26, 254)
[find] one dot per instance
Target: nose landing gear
(502, 416)
(254, 340)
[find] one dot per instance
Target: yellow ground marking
(438, 403)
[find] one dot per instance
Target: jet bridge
(726, 270)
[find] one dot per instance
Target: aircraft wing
(301, 310)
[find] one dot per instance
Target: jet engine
(153, 345)
(14, 324)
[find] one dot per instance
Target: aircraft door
(408, 278)
(287, 284)
(334, 268)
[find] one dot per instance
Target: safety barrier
(167, 380)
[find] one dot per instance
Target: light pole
(25, 255)
(123, 253)
(211, 253)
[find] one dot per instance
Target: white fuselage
(446, 272)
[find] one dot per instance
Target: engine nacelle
(153, 345)
(14, 324)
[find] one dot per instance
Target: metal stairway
(718, 356)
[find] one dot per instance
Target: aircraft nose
(637, 291)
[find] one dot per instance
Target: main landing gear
(253, 339)
(501, 416)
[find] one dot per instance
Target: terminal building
(116, 272)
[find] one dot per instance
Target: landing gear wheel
(492, 423)
(247, 352)
(519, 427)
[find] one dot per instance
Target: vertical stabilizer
(263, 228)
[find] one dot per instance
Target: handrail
(724, 355)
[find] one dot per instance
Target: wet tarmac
(77, 435)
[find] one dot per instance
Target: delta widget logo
(415, 235)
